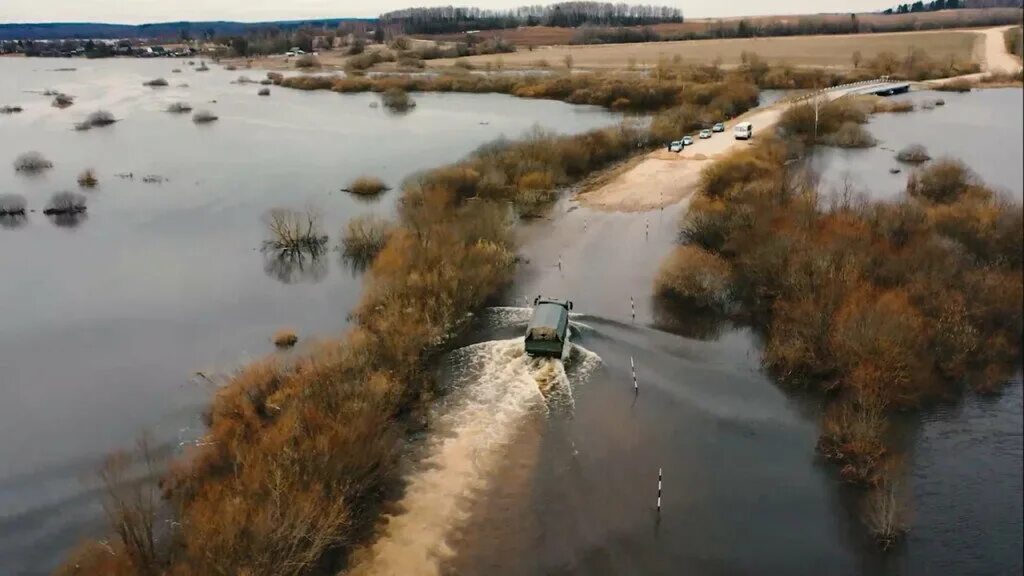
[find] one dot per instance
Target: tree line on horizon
(449, 19)
(935, 5)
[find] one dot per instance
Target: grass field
(869, 22)
(797, 50)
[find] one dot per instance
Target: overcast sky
(139, 11)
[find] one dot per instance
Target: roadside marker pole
(647, 229)
(632, 368)
(659, 491)
(632, 308)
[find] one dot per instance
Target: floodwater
(106, 319)
(574, 491)
(982, 128)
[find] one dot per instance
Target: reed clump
(12, 205)
(366, 186)
(88, 179)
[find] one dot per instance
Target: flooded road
(105, 321)
(744, 489)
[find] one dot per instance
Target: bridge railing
(816, 93)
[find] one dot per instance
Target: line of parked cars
(678, 145)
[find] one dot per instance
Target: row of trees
(932, 6)
(448, 19)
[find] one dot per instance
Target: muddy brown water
(105, 319)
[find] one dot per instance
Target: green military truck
(548, 331)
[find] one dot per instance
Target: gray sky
(139, 11)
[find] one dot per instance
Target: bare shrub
(294, 230)
(275, 77)
(202, 67)
(853, 437)
(365, 236)
(65, 203)
(307, 61)
(464, 64)
(179, 108)
(204, 117)
(244, 80)
(156, 83)
(695, 276)
(176, 71)
(397, 100)
(12, 204)
(87, 179)
(913, 154)
(10, 109)
(63, 100)
(100, 118)
(942, 181)
(885, 510)
(366, 186)
(263, 92)
(285, 338)
(32, 163)
(850, 135)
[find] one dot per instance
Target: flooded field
(982, 129)
(111, 322)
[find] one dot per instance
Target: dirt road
(996, 58)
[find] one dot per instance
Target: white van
(743, 131)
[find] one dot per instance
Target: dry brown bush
(913, 154)
(696, 277)
(943, 181)
(365, 236)
(366, 186)
(285, 338)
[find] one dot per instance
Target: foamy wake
(496, 386)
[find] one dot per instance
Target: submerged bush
(285, 338)
(156, 83)
(65, 203)
(263, 92)
(850, 135)
(366, 186)
(179, 108)
(87, 179)
(365, 236)
(943, 181)
(204, 117)
(12, 204)
(100, 118)
(913, 154)
(10, 109)
(397, 100)
(696, 277)
(294, 230)
(63, 101)
(32, 162)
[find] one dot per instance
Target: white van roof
(744, 125)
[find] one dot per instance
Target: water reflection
(68, 219)
(677, 318)
(12, 221)
(295, 266)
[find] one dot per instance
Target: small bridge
(883, 88)
(879, 86)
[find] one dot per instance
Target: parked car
(676, 146)
(705, 134)
(687, 141)
(743, 131)
(720, 127)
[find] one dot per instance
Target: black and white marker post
(659, 492)
(632, 368)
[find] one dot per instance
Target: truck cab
(548, 332)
